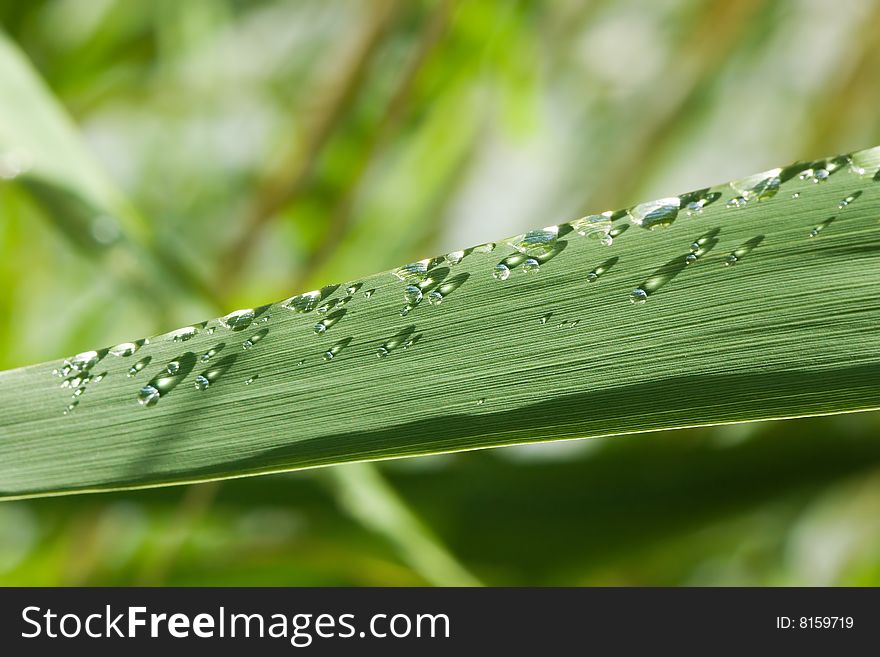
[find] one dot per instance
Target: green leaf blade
(787, 329)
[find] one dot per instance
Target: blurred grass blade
(365, 495)
(38, 138)
(749, 301)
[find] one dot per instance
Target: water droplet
(796, 195)
(820, 175)
(695, 201)
(209, 354)
(655, 214)
(536, 242)
(545, 318)
(760, 186)
(638, 296)
(320, 327)
(148, 396)
(488, 247)
(173, 367)
(435, 298)
(743, 250)
(737, 202)
(818, 229)
(412, 295)
(501, 272)
(138, 366)
(481, 401)
(252, 379)
(71, 407)
(595, 226)
(303, 303)
(382, 352)
(454, 257)
(79, 391)
(300, 362)
(369, 294)
(412, 273)
(694, 208)
(326, 307)
(690, 258)
(531, 266)
(849, 199)
(211, 330)
(83, 362)
(352, 289)
(202, 382)
(72, 382)
(124, 349)
(238, 319)
(182, 334)
(592, 277)
(333, 351)
(99, 377)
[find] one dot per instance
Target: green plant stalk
(786, 331)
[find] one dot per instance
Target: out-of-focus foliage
(273, 145)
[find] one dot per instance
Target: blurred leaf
(37, 132)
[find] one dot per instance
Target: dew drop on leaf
(148, 396)
(501, 272)
(638, 296)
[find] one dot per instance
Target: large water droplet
(536, 242)
(202, 382)
(303, 303)
(238, 319)
(455, 257)
(501, 272)
(124, 349)
(690, 258)
(182, 334)
(595, 226)
(760, 186)
(148, 396)
(413, 273)
(655, 214)
(435, 298)
(173, 367)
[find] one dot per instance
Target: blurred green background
(271, 146)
